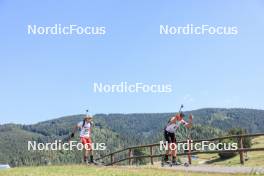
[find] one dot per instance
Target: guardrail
(151, 155)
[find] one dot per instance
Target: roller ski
(95, 163)
(166, 162)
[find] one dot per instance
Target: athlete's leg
(174, 156)
(167, 139)
(85, 153)
(90, 149)
(174, 151)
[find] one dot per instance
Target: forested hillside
(250, 119)
(117, 131)
(145, 127)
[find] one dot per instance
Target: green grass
(254, 158)
(81, 170)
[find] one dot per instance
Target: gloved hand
(72, 135)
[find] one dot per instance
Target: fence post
(189, 151)
(112, 158)
(151, 152)
(129, 155)
(241, 153)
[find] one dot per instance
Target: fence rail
(129, 150)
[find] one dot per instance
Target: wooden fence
(151, 154)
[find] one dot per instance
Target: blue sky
(45, 77)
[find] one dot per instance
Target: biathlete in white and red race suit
(85, 128)
(169, 133)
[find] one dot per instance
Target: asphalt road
(219, 169)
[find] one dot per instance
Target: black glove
(72, 135)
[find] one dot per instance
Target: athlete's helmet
(88, 117)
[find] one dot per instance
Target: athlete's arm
(189, 124)
(173, 119)
(73, 131)
(75, 128)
